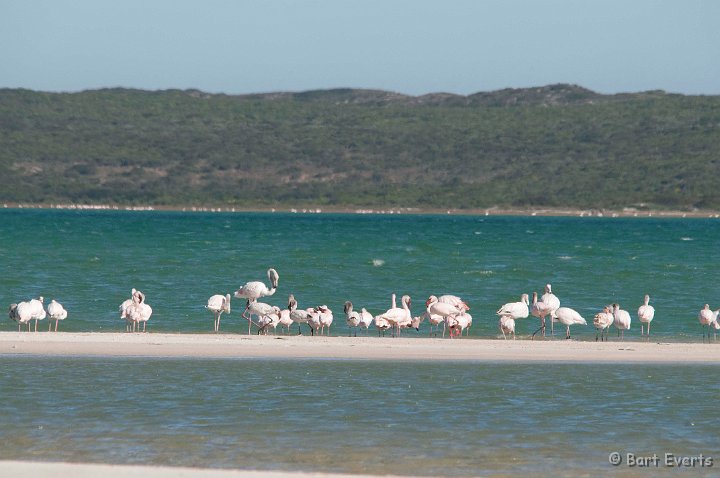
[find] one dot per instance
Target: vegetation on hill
(554, 146)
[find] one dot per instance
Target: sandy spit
(357, 348)
(27, 469)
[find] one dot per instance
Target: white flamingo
(568, 317)
(135, 296)
(366, 318)
(217, 304)
(352, 318)
(285, 320)
(260, 309)
(313, 320)
(646, 313)
(37, 310)
(706, 318)
(56, 312)
(539, 310)
(21, 314)
(507, 326)
(434, 320)
(397, 315)
(256, 289)
(297, 316)
(515, 310)
(140, 313)
(433, 306)
(457, 323)
(602, 321)
(326, 318)
(621, 319)
(381, 324)
(553, 304)
(269, 321)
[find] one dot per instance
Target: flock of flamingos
(447, 310)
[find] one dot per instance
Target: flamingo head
(524, 298)
(348, 306)
(431, 300)
(273, 277)
(548, 288)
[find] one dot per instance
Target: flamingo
(621, 319)
(326, 318)
(706, 318)
(515, 310)
(217, 304)
(256, 289)
(253, 307)
(396, 315)
(366, 318)
(457, 323)
(37, 311)
(443, 309)
(20, 313)
(568, 317)
(540, 310)
(135, 296)
(646, 313)
(297, 316)
(285, 320)
(140, 312)
(553, 304)
(507, 326)
(602, 321)
(381, 324)
(715, 325)
(313, 320)
(352, 318)
(435, 321)
(57, 312)
(270, 320)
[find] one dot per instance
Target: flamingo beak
(427, 303)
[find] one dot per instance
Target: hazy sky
(408, 46)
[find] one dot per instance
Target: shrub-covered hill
(553, 146)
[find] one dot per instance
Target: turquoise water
(424, 418)
(89, 261)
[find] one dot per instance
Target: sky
(406, 46)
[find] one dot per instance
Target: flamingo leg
(567, 332)
(56, 324)
(49, 326)
(648, 331)
(552, 324)
(503, 331)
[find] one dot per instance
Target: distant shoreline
(493, 211)
(107, 344)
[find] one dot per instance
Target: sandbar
(211, 345)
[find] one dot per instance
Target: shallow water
(424, 418)
(89, 261)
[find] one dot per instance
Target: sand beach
(354, 348)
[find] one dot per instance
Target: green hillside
(554, 146)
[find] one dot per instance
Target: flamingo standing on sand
(56, 312)
(512, 311)
(352, 318)
(646, 313)
(326, 318)
(507, 326)
(381, 324)
(706, 318)
(253, 307)
(366, 318)
(539, 310)
(37, 311)
(397, 315)
(553, 304)
(297, 316)
(217, 304)
(256, 289)
(602, 321)
(285, 320)
(621, 319)
(568, 317)
(20, 313)
(445, 310)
